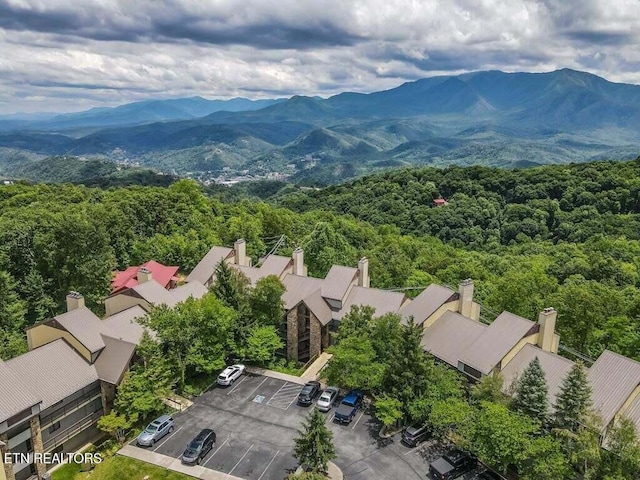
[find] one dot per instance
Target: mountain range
(489, 118)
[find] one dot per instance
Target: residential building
(164, 275)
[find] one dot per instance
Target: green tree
(530, 396)
(194, 334)
(582, 446)
(354, 365)
(388, 410)
(447, 417)
(574, 399)
(265, 300)
(545, 461)
(115, 425)
(231, 287)
(12, 319)
(489, 388)
(357, 321)
(139, 395)
(262, 344)
(314, 445)
(621, 459)
(499, 436)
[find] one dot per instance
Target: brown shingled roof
(425, 304)
(450, 336)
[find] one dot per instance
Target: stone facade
(108, 394)
(4, 448)
(292, 334)
(36, 439)
(316, 337)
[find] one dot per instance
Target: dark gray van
(199, 447)
(415, 434)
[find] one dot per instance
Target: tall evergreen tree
(574, 399)
(314, 446)
(230, 286)
(531, 393)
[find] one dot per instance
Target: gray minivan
(413, 435)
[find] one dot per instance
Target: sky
(64, 55)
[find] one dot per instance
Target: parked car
(199, 447)
(230, 374)
(157, 429)
(488, 474)
(451, 465)
(413, 435)
(308, 393)
(349, 407)
(327, 399)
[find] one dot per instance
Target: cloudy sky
(70, 55)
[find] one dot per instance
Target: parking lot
(256, 420)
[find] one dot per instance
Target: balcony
(70, 408)
(72, 430)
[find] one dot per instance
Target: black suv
(308, 393)
(451, 465)
(413, 435)
(199, 447)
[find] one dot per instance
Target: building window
(54, 427)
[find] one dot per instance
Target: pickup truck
(349, 407)
(451, 465)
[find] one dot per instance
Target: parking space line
(268, 465)
(158, 445)
(236, 385)
(254, 390)
(241, 458)
(415, 449)
(333, 415)
(359, 418)
(216, 451)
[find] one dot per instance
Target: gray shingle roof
(207, 266)
(383, 301)
(298, 288)
(450, 336)
(425, 304)
(84, 325)
(114, 359)
(274, 265)
(15, 397)
(555, 369)
(153, 293)
(124, 326)
(193, 289)
(252, 273)
(498, 339)
(319, 307)
(613, 378)
(53, 371)
(338, 281)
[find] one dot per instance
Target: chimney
(240, 248)
(465, 291)
(75, 300)
(547, 336)
(363, 272)
(298, 262)
(144, 275)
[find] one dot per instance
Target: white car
(230, 374)
(327, 399)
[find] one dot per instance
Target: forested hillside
(555, 236)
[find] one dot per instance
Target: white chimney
(465, 291)
(547, 335)
(240, 248)
(75, 300)
(363, 272)
(298, 262)
(144, 275)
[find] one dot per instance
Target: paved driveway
(256, 420)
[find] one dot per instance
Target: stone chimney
(298, 262)
(240, 249)
(465, 290)
(144, 275)
(363, 272)
(547, 336)
(75, 300)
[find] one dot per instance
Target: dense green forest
(552, 236)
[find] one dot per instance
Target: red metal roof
(128, 278)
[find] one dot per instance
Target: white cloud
(58, 55)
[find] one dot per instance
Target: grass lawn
(118, 468)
